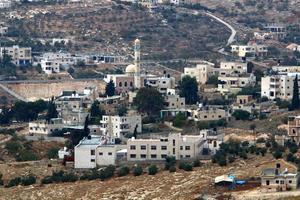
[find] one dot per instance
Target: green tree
(86, 129)
(188, 88)
(179, 120)
(53, 152)
(152, 170)
(149, 100)
(241, 115)
(295, 100)
(122, 111)
(213, 80)
(51, 111)
(110, 89)
(137, 170)
(95, 110)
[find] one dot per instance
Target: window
(181, 148)
(125, 84)
(277, 181)
(100, 154)
(120, 84)
(132, 156)
(173, 150)
(163, 155)
(173, 142)
(290, 181)
(109, 153)
(132, 147)
(153, 156)
(163, 147)
(143, 147)
(267, 182)
(92, 160)
(187, 156)
(282, 182)
(187, 148)
(153, 147)
(143, 156)
(92, 152)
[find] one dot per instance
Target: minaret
(137, 59)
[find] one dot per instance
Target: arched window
(125, 84)
(120, 84)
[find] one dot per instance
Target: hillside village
(149, 99)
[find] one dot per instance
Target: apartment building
(250, 50)
(284, 70)
(162, 84)
(228, 68)
(94, 151)
(5, 4)
(174, 101)
(118, 126)
(3, 29)
(74, 107)
(201, 72)
(212, 139)
(111, 104)
(21, 56)
(294, 128)
(293, 47)
(42, 127)
(50, 67)
(278, 86)
(177, 145)
(208, 113)
(234, 83)
(276, 179)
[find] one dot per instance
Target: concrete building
(293, 47)
(294, 128)
(3, 29)
(212, 139)
(111, 104)
(278, 86)
(5, 4)
(94, 151)
(177, 145)
(278, 31)
(201, 72)
(208, 113)
(21, 56)
(284, 70)
(244, 99)
(229, 68)
(43, 127)
(250, 50)
(276, 179)
(50, 67)
(118, 126)
(162, 84)
(74, 107)
(174, 101)
(235, 83)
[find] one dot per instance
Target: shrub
(152, 170)
(290, 157)
(14, 182)
(241, 115)
(53, 152)
(186, 166)
(172, 168)
(277, 154)
(26, 155)
(108, 172)
(196, 163)
(123, 171)
(47, 180)
(170, 161)
(28, 180)
(69, 177)
(137, 170)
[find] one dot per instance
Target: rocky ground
(164, 185)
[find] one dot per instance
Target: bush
(186, 166)
(196, 163)
(69, 177)
(26, 155)
(137, 170)
(277, 154)
(53, 153)
(172, 169)
(152, 170)
(14, 182)
(241, 115)
(123, 171)
(47, 180)
(108, 172)
(170, 161)
(28, 180)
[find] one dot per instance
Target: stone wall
(46, 90)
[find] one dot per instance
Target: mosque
(134, 79)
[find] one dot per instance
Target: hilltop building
(21, 56)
